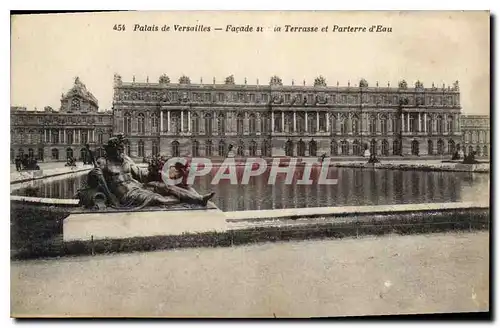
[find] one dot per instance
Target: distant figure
(366, 153)
(323, 157)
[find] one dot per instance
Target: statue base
(87, 226)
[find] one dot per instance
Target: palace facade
(51, 135)
(188, 119)
(476, 134)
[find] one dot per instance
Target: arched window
(413, 123)
(414, 148)
(334, 148)
(356, 149)
(430, 147)
(311, 122)
(222, 148)
(83, 154)
(127, 124)
(372, 124)
(265, 148)
(241, 148)
(55, 154)
(31, 153)
(440, 147)
(195, 123)
(301, 148)
(239, 124)
(344, 145)
(355, 125)
(175, 148)
(485, 151)
(264, 123)
(140, 123)
(288, 122)
(300, 121)
(208, 148)
(84, 136)
(451, 147)
(343, 124)
(40, 154)
(478, 150)
(383, 124)
(429, 124)
(195, 148)
(69, 137)
(154, 123)
(252, 148)
(289, 148)
(69, 153)
(396, 147)
(385, 148)
(154, 149)
(439, 126)
(140, 148)
(221, 124)
(251, 124)
(313, 148)
(100, 138)
(449, 123)
(55, 136)
(208, 124)
(333, 123)
(373, 147)
(277, 122)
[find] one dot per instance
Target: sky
(49, 51)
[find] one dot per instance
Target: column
(168, 121)
(317, 121)
(305, 121)
(327, 122)
(182, 121)
(445, 118)
(46, 136)
(282, 121)
(189, 121)
(294, 121)
(419, 123)
(77, 136)
(161, 121)
(272, 122)
(425, 122)
(408, 122)
(402, 122)
(93, 135)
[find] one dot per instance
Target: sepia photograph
(249, 164)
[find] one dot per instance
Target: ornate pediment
(419, 85)
(363, 83)
(117, 80)
(402, 84)
(320, 81)
(79, 90)
(275, 80)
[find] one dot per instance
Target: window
(373, 147)
(55, 154)
(322, 121)
(195, 148)
(251, 123)
(75, 104)
(222, 148)
(383, 124)
(451, 147)
(31, 153)
(221, 124)
(154, 149)
(265, 148)
(140, 148)
(69, 153)
(333, 123)
(140, 123)
(127, 124)
(372, 124)
(355, 125)
(413, 122)
(440, 147)
(396, 147)
(252, 148)
(414, 147)
(312, 148)
(208, 124)
(385, 148)
(449, 123)
(220, 97)
(69, 137)
(334, 149)
(430, 147)
(252, 97)
(195, 123)
(239, 124)
(265, 97)
(289, 148)
(84, 137)
(356, 149)
(20, 152)
(241, 148)
(154, 123)
(301, 148)
(343, 125)
(264, 121)
(100, 138)
(311, 122)
(40, 154)
(439, 125)
(175, 149)
(208, 148)
(345, 147)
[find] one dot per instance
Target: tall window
(439, 125)
(334, 149)
(451, 146)
(195, 123)
(140, 123)
(396, 147)
(440, 147)
(140, 148)
(239, 124)
(55, 154)
(84, 137)
(313, 148)
(100, 138)
(430, 147)
(241, 148)
(449, 123)
(301, 148)
(383, 124)
(322, 121)
(355, 125)
(69, 153)
(265, 148)
(277, 122)
(373, 147)
(31, 153)
(311, 122)
(55, 136)
(127, 124)
(195, 147)
(154, 123)
(222, 148)
(356, 149)
(154, 149)
(252, 148)
(175, 148)
(264, 122)
(251, 124)
(414, 147)
(208, 148)
(344, 145)
(221, 124)
(343, 125)
(300, 117)
(289, 148)
(208, 124)
(372, 124)
(333, 123)
(385, 148)
(413, 123)
(40, 154)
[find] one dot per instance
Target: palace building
(51, 135)
(189, 119)
(476, 134)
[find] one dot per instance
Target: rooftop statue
(117, 182)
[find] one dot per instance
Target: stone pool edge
(468, 218)
(440, 167)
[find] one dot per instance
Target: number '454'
(119, 27)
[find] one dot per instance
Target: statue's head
(115, 147)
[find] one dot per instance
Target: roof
(79, 89)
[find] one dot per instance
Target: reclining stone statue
(117, 182)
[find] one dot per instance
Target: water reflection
(355, 187)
